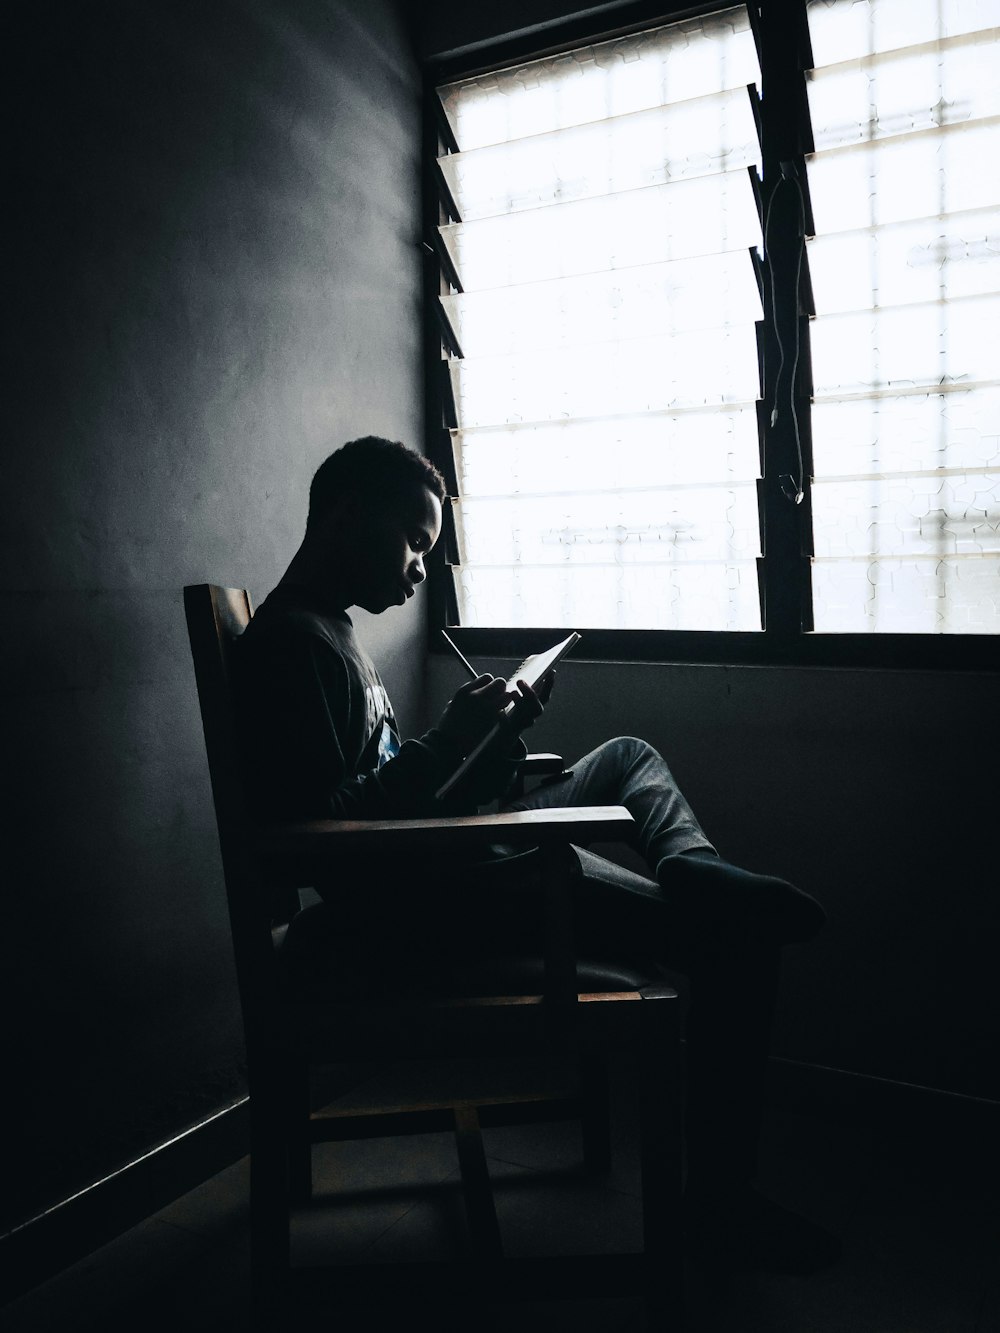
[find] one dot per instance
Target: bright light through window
(905, 268)
(607, 325)
(606, 394)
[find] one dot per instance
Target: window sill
(944, 652)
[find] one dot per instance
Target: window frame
(786, 638)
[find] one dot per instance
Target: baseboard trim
(69, 1231)
(841, 1095)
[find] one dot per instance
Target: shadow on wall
(215, 211)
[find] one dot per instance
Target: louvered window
(605, 392)
(720, 303)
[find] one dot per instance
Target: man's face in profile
(393, 538)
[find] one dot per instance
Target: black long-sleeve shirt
(320, 738)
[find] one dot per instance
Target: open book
(531, 671)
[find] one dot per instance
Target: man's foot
(714, 895)
(743, 1229)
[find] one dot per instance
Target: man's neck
(304, 572)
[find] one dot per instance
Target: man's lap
(630, 772)
(431, 916)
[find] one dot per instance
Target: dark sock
(710, 895)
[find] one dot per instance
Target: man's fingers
(544, 690)
(476, 686)
(527, 705)
(489, 687)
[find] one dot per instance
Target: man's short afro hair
(378, 469)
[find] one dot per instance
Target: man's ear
(341, 525)
(350, 515)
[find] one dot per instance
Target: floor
(919, 1221)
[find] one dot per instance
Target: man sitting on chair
(323, 743)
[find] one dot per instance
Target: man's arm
(306, 725)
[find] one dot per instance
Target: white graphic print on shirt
(380, 719)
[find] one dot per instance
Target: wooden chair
(585, 1015)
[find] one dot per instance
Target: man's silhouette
(323, 743)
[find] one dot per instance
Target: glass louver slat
(706, 215)
(675, 142)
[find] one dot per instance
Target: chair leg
(484, 1229)
(595, 1089)
(660, 1132)
(269, 1223)
(270, 1236)
(299, 1139)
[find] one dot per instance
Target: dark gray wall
(215, 281)
(877, 791)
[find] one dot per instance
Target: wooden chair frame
(283, 1035)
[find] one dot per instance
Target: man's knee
(631, 749)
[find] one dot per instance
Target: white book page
(531, 671)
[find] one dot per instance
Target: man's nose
(419, 573)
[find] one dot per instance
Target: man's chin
(376, 605)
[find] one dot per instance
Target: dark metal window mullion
(438, 207)
(786, 534)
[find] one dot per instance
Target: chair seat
(526, 976)
(316, 965)
(348, 976)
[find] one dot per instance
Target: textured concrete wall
(216, 280)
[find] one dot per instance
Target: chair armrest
(320, 843)
(540, 765)
(308, 851)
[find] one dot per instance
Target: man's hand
(529, 703)
(475, 708)
(480, 703)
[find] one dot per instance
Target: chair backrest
(216, 617)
